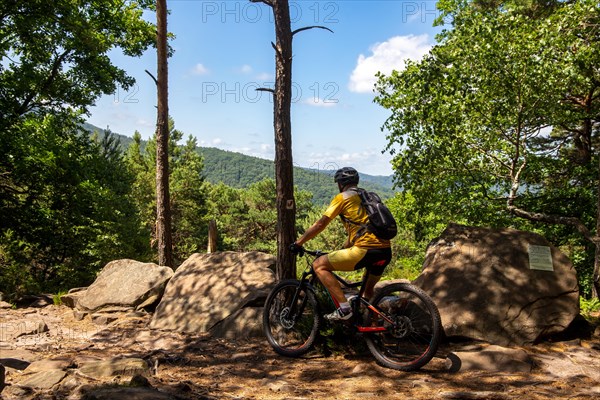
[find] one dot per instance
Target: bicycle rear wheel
(290, 326)
(412, 337)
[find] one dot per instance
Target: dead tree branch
(267, 2)
(557, 220)
(278, 51)
(152, 76)
(311, 27)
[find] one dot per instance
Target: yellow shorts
(353, 258)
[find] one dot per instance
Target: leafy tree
(54, 53)
(227, 207)
(70, 215)
(246, 217)
(497, 124)
(63, 199)
(188, 201)
(188, 194)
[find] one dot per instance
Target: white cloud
(266, 148)
(317, 102)
(214, 142)
(387, 56)
(200, 69)
(262, 150)
(245, 69)
(369, 161)
(265, 77)
(254, 149)
(145, 123)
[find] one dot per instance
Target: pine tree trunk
(163, 209)
(212, 236)
(284, 176)
(596, 273)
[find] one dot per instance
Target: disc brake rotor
(402, 327)
(284, 318)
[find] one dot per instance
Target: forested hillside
(123, 140)
(239, 171)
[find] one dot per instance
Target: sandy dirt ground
(201, 367)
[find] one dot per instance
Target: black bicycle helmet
(346, 176)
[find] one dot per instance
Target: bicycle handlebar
(316, 253)
(299, 250)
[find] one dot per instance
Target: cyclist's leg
(375, 261)
(340, 260)
(370, 285)
(323, 270)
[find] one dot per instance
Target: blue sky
(223, 53)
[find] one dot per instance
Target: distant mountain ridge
(239, 171)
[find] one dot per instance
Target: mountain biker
(361, 249)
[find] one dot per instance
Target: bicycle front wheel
(413, 327)
(291, 318)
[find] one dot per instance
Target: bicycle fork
(294, 312)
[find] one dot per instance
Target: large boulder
(125, 284)
(208, 288)
(505, 287)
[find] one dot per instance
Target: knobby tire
(291, 329)
(413, 339)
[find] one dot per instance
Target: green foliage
(64, 199)
(240, 171)
(187, 188)
(55, 53)
(188, 201)
(589, 306)
(590, 309)
(67, 210)
(496, 123)
(57, 298)
(247, 218)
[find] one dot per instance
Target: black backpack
(381, 221)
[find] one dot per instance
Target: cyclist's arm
(314, 230)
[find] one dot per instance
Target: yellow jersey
(348, 204)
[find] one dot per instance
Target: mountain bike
(401, 324)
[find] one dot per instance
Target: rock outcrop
(123, 284)
(208, 288)
(505, 287)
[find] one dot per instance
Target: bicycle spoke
(290, 326)
(412, 328)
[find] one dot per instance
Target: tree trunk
(284, 175)
(163, 209)
(596, 273)
(212, 236)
